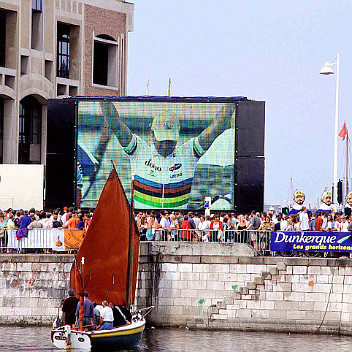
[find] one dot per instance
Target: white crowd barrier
(46, 238)
(36, 239)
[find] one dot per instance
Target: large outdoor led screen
(179, 152)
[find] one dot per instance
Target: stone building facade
(55, 49)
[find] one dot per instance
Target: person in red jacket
(186, 235)
(215, 227)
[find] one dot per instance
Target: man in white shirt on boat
(106, 317)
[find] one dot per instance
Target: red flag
(343, 132)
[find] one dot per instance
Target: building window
(63, 50)
(37, 5)
(105, 61)
(37, 25)
(29, 138)
(22, 135)
(2, 37)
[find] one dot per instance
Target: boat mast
(130, 252)
(347, 163)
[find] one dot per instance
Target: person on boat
(164, 170)
(106, 317)
(96, 319)
(88, 312)
(69, 308)
(122, 316)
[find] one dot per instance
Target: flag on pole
(169, 88)
(343, 132)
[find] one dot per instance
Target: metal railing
(259, 240)
(36, 239)
(43, 238)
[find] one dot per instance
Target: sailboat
(106, 267)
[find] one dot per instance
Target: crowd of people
(24, 220)
(180, 225)
(168, 222)
(102, 317)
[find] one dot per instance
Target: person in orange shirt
(72, 223)
(319, 222)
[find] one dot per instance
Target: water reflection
(180, 340)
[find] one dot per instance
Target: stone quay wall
(192, 285)
(199, 285)
(32, 287)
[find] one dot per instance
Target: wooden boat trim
(118, 333)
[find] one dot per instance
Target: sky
(270, 51)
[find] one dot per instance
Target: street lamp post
(327, 70)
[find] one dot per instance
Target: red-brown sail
(105, 248)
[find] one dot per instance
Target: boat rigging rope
(327, 305)
(343, 290)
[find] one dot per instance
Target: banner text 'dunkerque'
(311, 241)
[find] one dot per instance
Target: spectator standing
(312, 226)
(87, 220)
(204, 227)
(16, 219)
(283, 223)
(303, 219)
(265, 228)
(330, 224)
(345, 223)
(319, 222)
(289, 226)
(174, 226)
(153, 225)
(165, 224)
(10, 222)
(190, 221)
(180, 218)
(241, 227)
(66, 217)
(272, 214)
(254, 224)
(277, 226)
(143, 228)
(46, 220)
(234, 221)
(216, 229)
(186, 233)
(3, 223)
(25, 220)
(35, 224)
(196, 220)
(349, 226)
(72, 223)
(80, 224)
(56, 223)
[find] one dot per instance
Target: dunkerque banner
(309, 241)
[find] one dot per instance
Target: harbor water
(21, 339)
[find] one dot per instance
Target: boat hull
(113, 339)
(121, 338)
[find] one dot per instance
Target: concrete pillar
(10, 131)
(44, 134)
